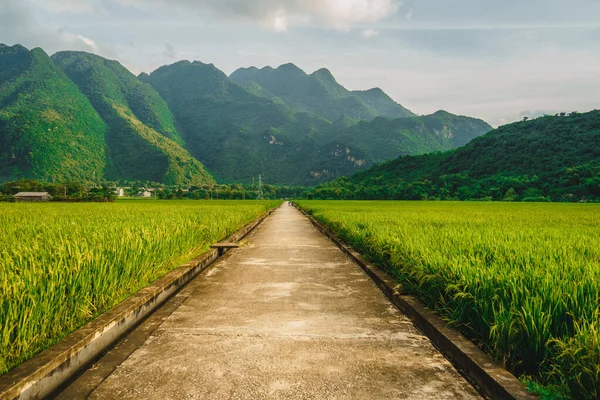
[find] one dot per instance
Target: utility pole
(260, 194)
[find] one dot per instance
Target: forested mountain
(82, 117)
(382, 104)
(371, 142)
(550, 158)
(143, 143)
(48, 128)
(318, 93)
(239, 133)
(235, 133)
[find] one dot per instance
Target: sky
(498, 60)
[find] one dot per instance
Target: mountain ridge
(320, 93)
(168, 125)
(215, 113)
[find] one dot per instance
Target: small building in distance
(32, 196)
(149, 192)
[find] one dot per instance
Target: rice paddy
(521, 280)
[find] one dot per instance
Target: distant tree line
(68, 191)
(577, 184)
(74, 191)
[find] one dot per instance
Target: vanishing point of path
(286, 316)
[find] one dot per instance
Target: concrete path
(286, 316)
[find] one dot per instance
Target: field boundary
(41, 375)
(483, 372)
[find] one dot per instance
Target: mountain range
(318, 93)
(549, 158)
(78, 116)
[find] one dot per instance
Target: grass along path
(522, 280)
(63, 264)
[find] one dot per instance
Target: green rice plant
(63, 264)
(521, 280)
(578, 360)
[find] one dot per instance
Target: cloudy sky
(494, 59)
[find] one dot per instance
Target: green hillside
(383, 105)
(79, 116)
(235, 133)
(143, 143)
(48, 129)
(373, 142)
(319, 93)
(238, 132)
(550, 158)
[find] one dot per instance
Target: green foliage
(141, 136)
(521, 280)
(366, 143)
(62, 265)
(107, 80)
(48, 128)
(318, 93)
(578, 359)
(547, 159)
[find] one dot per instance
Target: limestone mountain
(142, 141)
(319, 93)
(235, 133)
(367, 143)
(382, 104)
(82, 117)
(238, 132)
(549, 158)
(48, 128)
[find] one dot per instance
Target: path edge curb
(41, 375)
(483, 372)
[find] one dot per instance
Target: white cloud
(88, 42)
(369, 33)
(343, 14)
(281, 15)
(277, 21)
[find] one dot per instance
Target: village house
(32, 196)
(150, 192)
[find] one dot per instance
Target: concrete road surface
(286, 316)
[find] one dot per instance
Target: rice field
(63, 264)
(521, 280)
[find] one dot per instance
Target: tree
(464, 193)
(510, 195)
